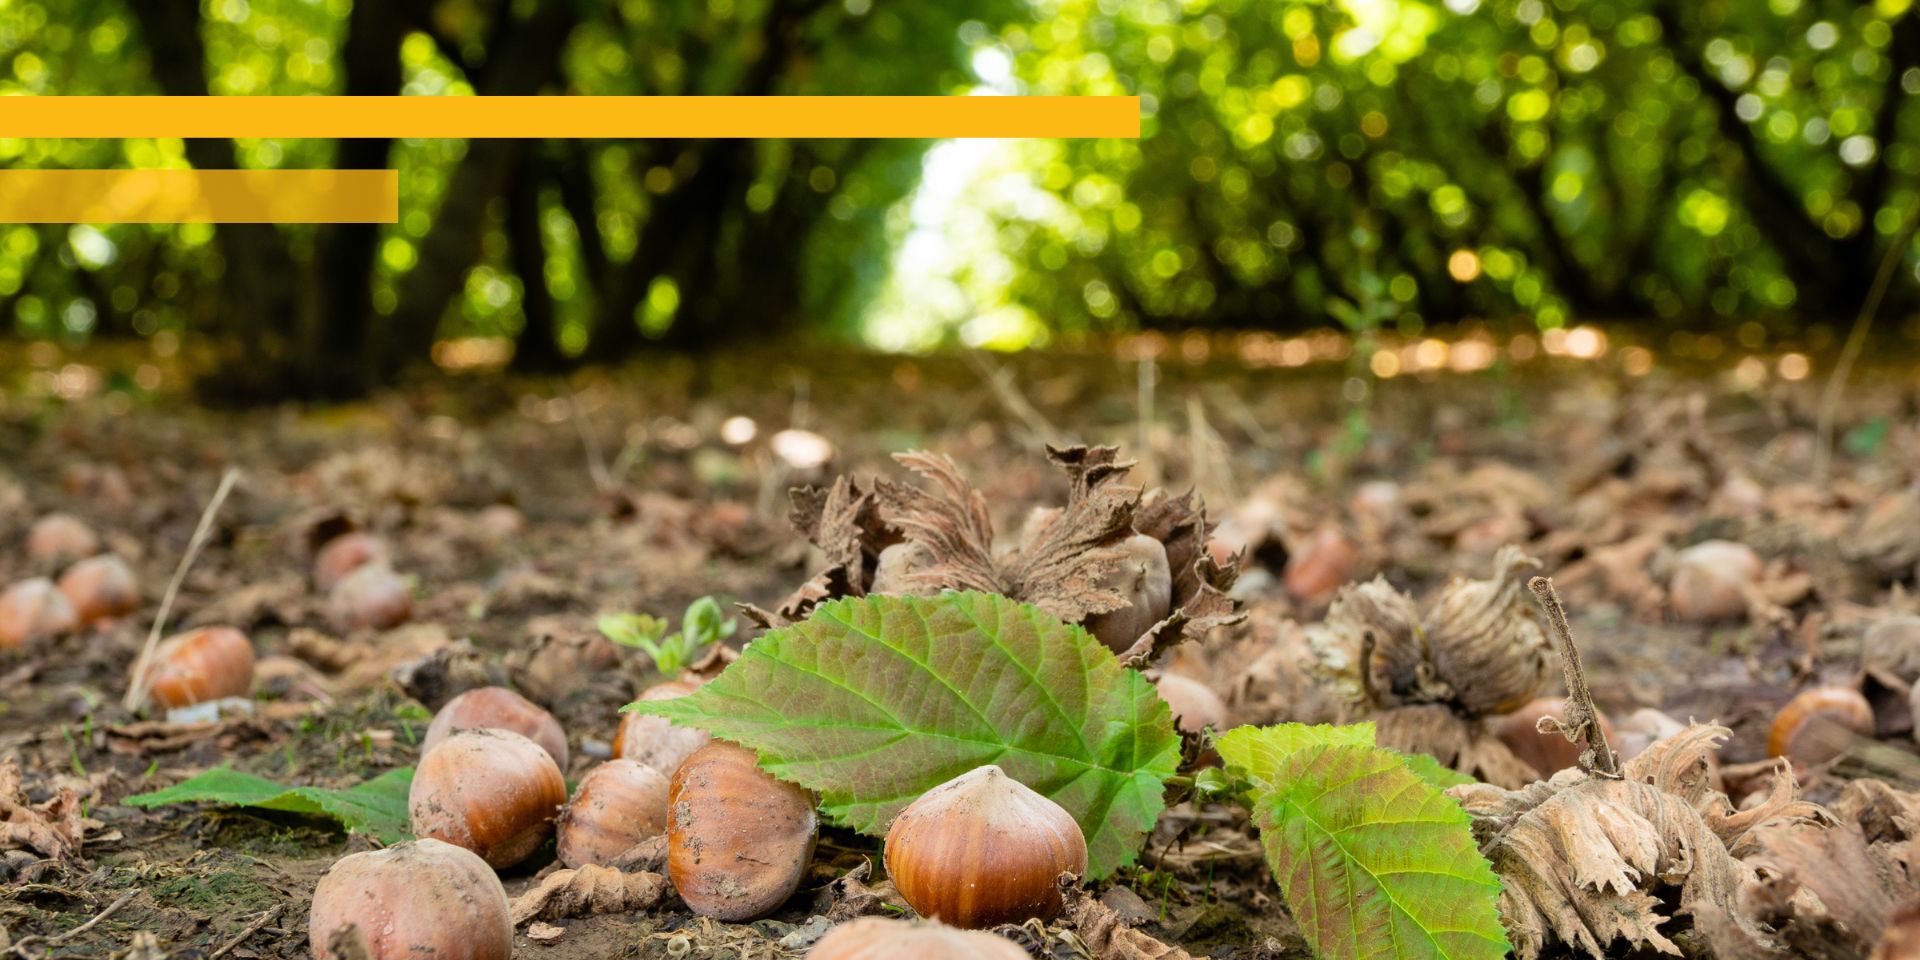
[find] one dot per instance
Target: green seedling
(703, 626)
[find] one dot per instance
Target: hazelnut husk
(1485, 643)
(984, 849)
(738, 840)
(414, 900)
(1817, 724)
(491, 791)
(884, 938)
(500, 709)
(618, 805)
(211, 663)
(100, 587)
(652, 740)
(32, 609)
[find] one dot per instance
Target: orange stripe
(566, 116)
(199, 196)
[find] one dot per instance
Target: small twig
(1857, 341)
(1007, 393)
(268, 916)
(1145, 377)
(137, 689)
(19, 948)
(1581, 720)
(596, 464)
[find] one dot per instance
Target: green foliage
(1373, 858)
(702, 626)
(377, 807)
(873, 701)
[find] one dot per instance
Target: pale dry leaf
(589, 890)
(1458, 742)
(54, 829)
(1105, 933)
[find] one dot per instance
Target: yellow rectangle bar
(567, 117)
(199, 196)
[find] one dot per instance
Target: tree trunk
(538, 349)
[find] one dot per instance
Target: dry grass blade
(137, 687)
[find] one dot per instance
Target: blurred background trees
(1367, 163)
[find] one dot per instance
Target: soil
(641, 491)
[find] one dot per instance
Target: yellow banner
(199, 196)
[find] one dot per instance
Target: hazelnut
(371, 597)
(343, 555)
(32, 609)
(99, 588)
(883, 938)
(738, 840)
(618, 805)
(983, 849)
(1816, 725)
(895, 564)
(499, 709)
(412, 900)
(1710, 580)
(1376, 502)
(491, 791)
(1146, 581)
(1195, 705)
(652, 740)
(1547, 753)
(1321, 565)
(211, 663)
(59, 538)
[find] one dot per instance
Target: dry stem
(1582, 721)
(137, 689)
(1857, 341)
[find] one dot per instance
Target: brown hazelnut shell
(738, 840)
(211, 663)
(1195, 705)
(372, 597)
(501, 709)
(984, 849)
(618, 805)
(32, 609)
(101, 587)
(884, 938)
(424, 898)
(61, 538)
(343, 555)
(491, 791)
(1812, 727)
(652, 740)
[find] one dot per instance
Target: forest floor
(643, 491)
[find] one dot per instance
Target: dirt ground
(645, 490)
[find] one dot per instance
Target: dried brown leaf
(589, 890)
(1105, 933)
(951, 525)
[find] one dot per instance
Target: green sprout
(702, 626)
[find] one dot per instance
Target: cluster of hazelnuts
(979, 850)
(93, 587)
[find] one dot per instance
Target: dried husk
(1485, 643)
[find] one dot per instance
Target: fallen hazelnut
(1816, 725)
(60, 538)
(883, 938)
(410, 901)
(211, 663)
(1146, 581)
(895, 564)
(101, 587)
(738, 840)
(652, 740)
(619, 804)
(1321, 565)
(1547, 753)
(32, 609)
(491, 791)
(343, 555)
(500, 709)
(1710, 580)
(372, 597)
(1195, 705)
(983, 849)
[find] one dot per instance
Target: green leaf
(1428, 768)
(873, 701)
(1374, 860)
(377, 807)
